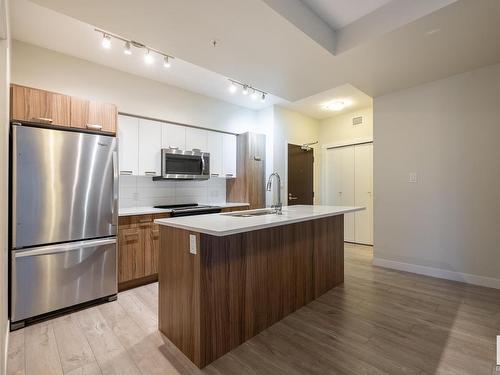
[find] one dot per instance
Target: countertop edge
(152, 210)
(255, 227)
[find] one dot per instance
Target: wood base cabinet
(138, 250)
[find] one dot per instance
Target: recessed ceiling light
(335, 106)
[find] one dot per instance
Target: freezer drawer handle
(53, 249)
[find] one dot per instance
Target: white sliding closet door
(363, 182)
(340, 184)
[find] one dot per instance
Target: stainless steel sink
(250, 213)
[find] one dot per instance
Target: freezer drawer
(50, 278)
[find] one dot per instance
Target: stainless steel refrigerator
(64, 213)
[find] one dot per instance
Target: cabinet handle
(173, 148)
(150, 173)
(257, 158)
(215, 175)
(94, 126)
(145, 221)
(42, 119)
(196, 150)
(229, 175)
(131, 234)
(126, 173)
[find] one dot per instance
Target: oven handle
(54, 249)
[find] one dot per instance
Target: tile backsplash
(139, 191)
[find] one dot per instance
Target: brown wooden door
(300, 175)
(34, 105)
(88, 114)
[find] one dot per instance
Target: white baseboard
(468, 278)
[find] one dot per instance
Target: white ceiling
(43, 27)
(260, 46)
(314, 106)
(340, 13)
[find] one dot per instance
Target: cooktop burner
(183, 206)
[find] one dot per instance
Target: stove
(190, 209)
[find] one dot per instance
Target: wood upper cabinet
(92, 115)
(35, 105)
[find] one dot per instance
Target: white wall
(46, 69)
(448, 132)
(293, 127)
(4, 147)
(339, 129)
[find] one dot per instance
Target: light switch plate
(192, 243)
(412, 177)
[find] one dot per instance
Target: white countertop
(224, 224)
(130, 211)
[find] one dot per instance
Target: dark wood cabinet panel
(138, 249)
(92, 115)
(232, 209)
(35, 105)
(249, 184)
(238, 285)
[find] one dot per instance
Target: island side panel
(179, 292)
(328, 254)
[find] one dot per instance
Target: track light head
(127, 50)
(106, 41)
(245, 90)
(232, 88)
(254, 95)
(148, 58)
(166, 62)
(263, 97)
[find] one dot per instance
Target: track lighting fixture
(106, 41)
(246, 89)
(166, 62)
(127, 50)
(232, 88)
(148, 57)
(149, 52)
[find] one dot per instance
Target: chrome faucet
(278, 206)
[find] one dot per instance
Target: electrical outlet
(412, 177)
(192, 244)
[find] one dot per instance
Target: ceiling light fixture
(148, 58)
(106, 41)
(246, 89)
(166, 62)
(127, 50)
(335, 106)
(232, 88)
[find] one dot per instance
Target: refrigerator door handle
(115, 189)
(54, 249)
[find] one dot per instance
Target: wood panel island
(225, 278)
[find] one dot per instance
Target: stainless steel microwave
(184, 165)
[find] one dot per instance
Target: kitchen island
(223, 278)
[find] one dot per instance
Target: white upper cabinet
(128, 148)
(173, 136)
(150, 142)
(214, 147)
(196, 139)
(229, 155)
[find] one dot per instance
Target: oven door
(185, 165)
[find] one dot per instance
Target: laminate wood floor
(379, 321)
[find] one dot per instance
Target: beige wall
(293, 127)
(42, 68)
(448, 132)
(4, 147)
(339, 129)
